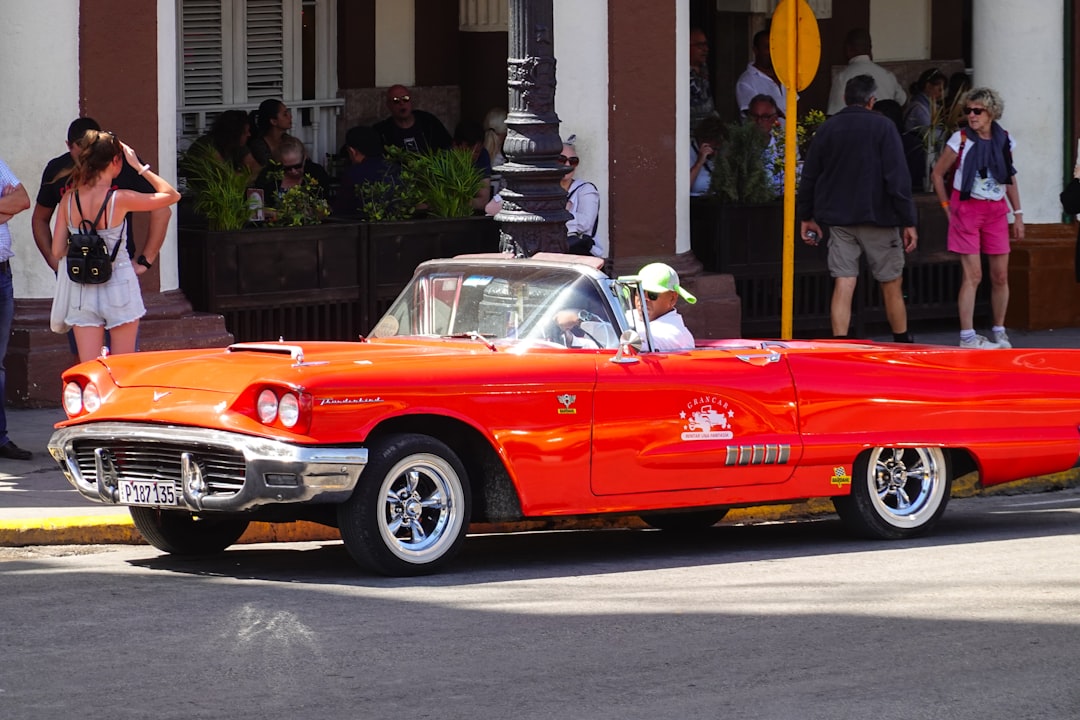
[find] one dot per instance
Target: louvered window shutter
(265, 50)
(203, 54)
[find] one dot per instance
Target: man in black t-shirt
(53, 187)
(414, 130)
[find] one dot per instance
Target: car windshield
(502, 304)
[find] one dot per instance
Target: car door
(705, 418)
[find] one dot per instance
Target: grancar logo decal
(566, 399)
(707, 418)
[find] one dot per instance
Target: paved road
(979, 621)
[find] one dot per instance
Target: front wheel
(410, 511)
(896, 492)
(181, 533)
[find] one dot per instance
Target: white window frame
(320, 136)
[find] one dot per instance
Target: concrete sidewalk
(39, 507)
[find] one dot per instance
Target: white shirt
(754, 82)
(670, 333)
(6, 178)
(888, 88)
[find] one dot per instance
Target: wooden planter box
(323, 282)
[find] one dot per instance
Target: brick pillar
(646, 41)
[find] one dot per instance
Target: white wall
(581, 91)
(900, 30)
(395, 43)
(40, 87)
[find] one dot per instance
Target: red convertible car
(474, 400)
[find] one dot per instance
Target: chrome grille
(223, 469)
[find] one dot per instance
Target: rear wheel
(181, 533)
(684, 522)
(410, 511)
(896, 492)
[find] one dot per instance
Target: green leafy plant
(805, 128)
(303, 204)
(220, 189)
(740, 175)
(444, 181)
(384, 201)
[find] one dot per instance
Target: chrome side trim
(758, 455)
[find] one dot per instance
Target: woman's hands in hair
(130, 156)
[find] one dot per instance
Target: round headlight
(73, 404)
(267, 406)
(91, 397)
(289, 409)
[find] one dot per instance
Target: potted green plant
(431, 184)
(302, 204)
(740, 175)
(296, 276)
(220, 190)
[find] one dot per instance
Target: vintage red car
(469, 402)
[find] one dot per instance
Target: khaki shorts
(883, 246)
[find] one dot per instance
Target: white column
(581, 93)
(682, 121)
(166, 97)
(1018, 49)
(395, 42)
(40, 57)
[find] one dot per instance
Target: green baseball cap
(658, 278)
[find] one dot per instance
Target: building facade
(157, 71)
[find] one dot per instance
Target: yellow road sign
(803, 26)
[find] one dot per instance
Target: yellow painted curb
(119, 529)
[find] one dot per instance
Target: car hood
(229, 370)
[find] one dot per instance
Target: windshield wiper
(473, 335)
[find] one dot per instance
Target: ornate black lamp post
(533, 216)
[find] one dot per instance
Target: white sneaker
(979, 343)
(1002, 339)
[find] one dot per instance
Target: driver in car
(662, 290)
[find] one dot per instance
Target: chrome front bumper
(212, 470)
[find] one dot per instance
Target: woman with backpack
(95, 293)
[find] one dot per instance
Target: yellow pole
(787, 287)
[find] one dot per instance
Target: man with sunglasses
(413, 130)
(662, 291)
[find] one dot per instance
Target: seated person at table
(364, 149)
(292, 167)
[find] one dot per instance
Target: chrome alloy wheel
(421, 514)
(906, 484)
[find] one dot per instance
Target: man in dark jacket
(855, 181)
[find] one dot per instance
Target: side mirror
(629, 347)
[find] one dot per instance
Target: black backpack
(88, 259)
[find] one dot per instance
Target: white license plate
(147, 492)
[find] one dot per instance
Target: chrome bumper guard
(273, 471)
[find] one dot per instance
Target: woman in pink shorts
(980, 157)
